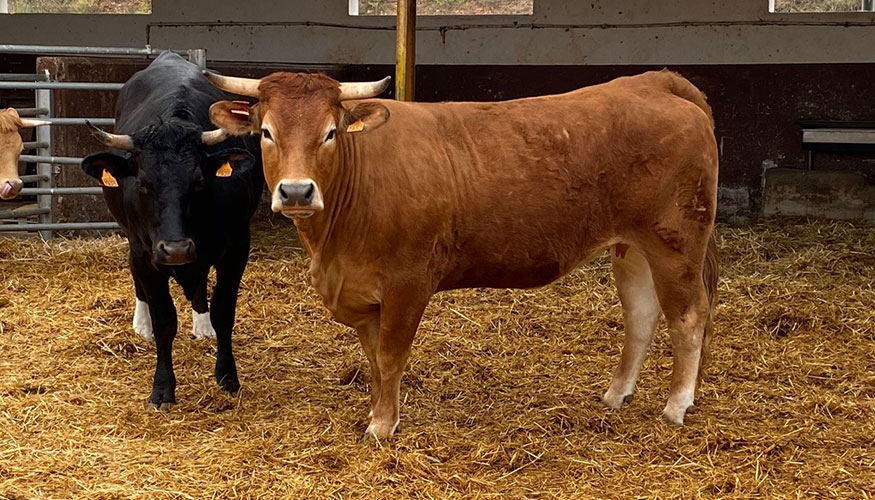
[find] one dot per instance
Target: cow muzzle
(175, 253)
(9, 188)
(297, 198)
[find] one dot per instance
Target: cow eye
(331, 134)
(266, 134)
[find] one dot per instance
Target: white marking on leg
(641, 313)
(201, 327)
(143, 321)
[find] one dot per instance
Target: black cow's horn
(363, 90)
(233, 84)
(117, 141)
(211, 137)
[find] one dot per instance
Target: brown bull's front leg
(400, 313)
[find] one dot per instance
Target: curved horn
(111, 140)
(212, 137)
(233, 84)
(30, 122)
(363, 90)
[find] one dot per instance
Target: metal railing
(43, 86)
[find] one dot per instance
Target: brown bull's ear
(237, 117)
(365, 117)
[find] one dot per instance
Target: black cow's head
(171, 174)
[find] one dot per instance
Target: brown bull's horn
(363, 90)
(111, 140)
(233, 84)
(211, 137)
(30, 122)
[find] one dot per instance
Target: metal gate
(43, 85)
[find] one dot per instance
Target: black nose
(294, 194)
(175, 253)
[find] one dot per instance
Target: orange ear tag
(224, 170)
(107, 180)
(356, 127)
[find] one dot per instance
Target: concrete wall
(560, 32)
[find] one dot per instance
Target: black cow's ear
(365, 117)
(226, 162)
(106, 167)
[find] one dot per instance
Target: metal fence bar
(57, 160)
(44, 134)
(78, 121)
(60, 86)
(26, 77)
(31, 111)
(60, 226)
(32, 178)
(34, 145)
(60, 190)
(65, 50)
(22, 212)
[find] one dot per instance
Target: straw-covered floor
(500, 398)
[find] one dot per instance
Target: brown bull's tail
(682, 88)
(709, 276)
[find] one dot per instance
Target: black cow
(184, 201)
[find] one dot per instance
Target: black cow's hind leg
(229, 272)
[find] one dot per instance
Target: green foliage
(80, 6)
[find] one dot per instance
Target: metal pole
(64, 226)
(405, 50)
(71, 50)
(4, 7)
(44, 135)
(61, 190)
(59, 86)
(199, 57)
(353, 7)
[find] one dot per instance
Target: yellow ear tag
(108, 180)
(356, 127)
(224, 170)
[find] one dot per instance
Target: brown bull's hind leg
(684, 301)
(640, 314)
(400, 313)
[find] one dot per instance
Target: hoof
(676, 417)
(161, 406)
(229, 385)
(201, 327)
(381, 431)
(617, 402)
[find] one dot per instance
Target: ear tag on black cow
(358, 126)
(107, 180)
(224, 170)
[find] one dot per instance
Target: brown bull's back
(518, 193)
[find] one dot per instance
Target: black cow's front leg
(164, 324)
(229, 272)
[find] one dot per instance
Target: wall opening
(445, 7)
(80, 6)
(821, 5)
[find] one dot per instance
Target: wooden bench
(837, 136)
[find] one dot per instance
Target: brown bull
(396, 201)
(10, 149)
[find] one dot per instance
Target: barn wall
(762, 71)
(560, 32)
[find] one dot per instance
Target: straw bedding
(500, 398)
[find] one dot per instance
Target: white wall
(574, 32)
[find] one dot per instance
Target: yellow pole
(405, 50)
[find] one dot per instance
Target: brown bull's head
(302, 122)
(10, 149)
